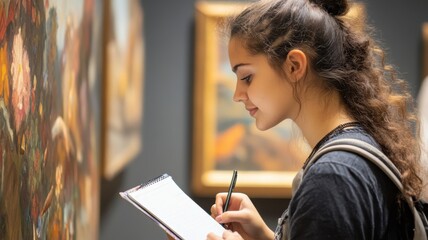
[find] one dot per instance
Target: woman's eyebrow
(235, 68)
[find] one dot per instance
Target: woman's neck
(320, 114)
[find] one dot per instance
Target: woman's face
(266, 94)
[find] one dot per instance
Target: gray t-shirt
(344, 196)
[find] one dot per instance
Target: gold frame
(207, 179)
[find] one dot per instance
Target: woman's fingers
(219, 201)
(226, 235)
(212, 236)
(242, 217)
(213, 211)
(231, 235)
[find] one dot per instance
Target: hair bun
(333, 7)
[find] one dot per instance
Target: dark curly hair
(347, 60)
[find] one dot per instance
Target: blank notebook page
(174, 208)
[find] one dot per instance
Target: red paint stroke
(6, 20)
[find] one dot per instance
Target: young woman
(301, 60)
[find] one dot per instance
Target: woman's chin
(262, 126)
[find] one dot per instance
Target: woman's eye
(247, 78)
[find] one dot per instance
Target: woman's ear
(295, 65)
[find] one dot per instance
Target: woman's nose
(240, 94)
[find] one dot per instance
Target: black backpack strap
(377, 157)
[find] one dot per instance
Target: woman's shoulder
(346, 165)
(347, 177)
(344, 185)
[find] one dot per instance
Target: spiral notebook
(163, 201)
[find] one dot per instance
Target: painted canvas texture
(49, 116)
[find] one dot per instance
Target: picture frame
(124, 85)
(224, 135)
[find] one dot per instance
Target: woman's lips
(252, 111)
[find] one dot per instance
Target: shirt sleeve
(334, 202)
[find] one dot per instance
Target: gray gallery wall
(168, 100)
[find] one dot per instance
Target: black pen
(231, 187)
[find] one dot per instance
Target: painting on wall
(224, 135)
(49, 115)
(123, 90)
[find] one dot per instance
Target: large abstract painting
(49, 118)
(225, 136)
(123, 99)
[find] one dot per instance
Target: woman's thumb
(229, 216)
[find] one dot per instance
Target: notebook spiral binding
(154, 180)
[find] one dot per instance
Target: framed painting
(123, 89)
(224, 135)
(49, 116)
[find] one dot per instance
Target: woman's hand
(242, 218)
(229, 235)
